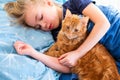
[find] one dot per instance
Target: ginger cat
(97, 64)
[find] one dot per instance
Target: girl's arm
(100, 28)
(52, 62)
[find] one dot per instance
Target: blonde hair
(17, 9)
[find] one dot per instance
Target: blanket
(14, 66)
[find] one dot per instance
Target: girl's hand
(23, 48)
(69, 59)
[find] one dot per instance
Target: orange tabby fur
(97, 64)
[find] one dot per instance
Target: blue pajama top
(111, 40)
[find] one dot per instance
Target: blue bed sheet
(14, 66)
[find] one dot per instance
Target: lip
(50, 26)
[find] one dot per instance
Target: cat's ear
(68, 13)
(85, 20)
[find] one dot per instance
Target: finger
(65, 63)
(68, 64)
(19, 42)
(62, 56)
(19, 47)
(16, 44)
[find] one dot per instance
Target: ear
(85, 20)
(68, 13)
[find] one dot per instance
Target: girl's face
(46, 17)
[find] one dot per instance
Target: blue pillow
(10, 33)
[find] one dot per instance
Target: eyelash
(41, 17)
(38, 27)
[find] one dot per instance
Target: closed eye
(38, 27)
(41, 17)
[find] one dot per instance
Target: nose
(43, 24)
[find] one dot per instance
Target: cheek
(53, 19)
(47, 18)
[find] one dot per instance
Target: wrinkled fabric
(20, 67)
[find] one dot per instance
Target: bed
(14, 66)
(17, 67)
